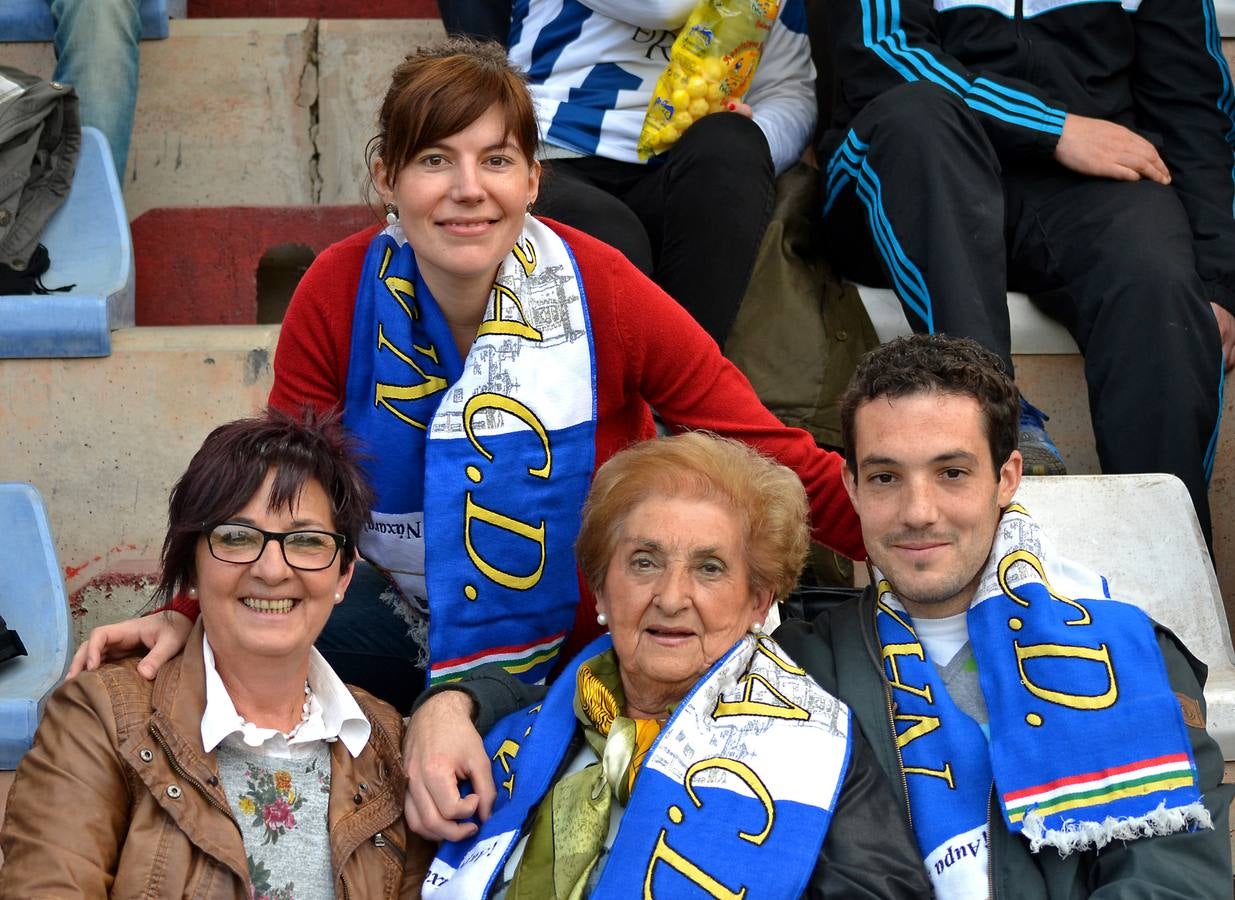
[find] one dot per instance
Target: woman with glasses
(246, 768)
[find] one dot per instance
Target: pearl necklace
(304, 715)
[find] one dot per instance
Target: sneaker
(1040, 453)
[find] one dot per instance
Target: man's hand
(163, 633)
(442, 748)
(1106, 150)
(1226, 332)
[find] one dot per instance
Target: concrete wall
(255, 112)
(103, 440)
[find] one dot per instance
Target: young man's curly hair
(926, 363)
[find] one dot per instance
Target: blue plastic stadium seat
(90, 246)
(33, 603)
(30, 20)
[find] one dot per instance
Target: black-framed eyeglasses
(309, 551)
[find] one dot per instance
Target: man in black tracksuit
(1079, 151)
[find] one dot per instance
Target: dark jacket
(116, 798)
(1154, 66)
(840, 650)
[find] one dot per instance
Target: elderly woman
(685, 747)
(246, 769)
(488, 361)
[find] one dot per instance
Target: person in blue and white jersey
(692, 218)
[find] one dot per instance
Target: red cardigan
(649, 351)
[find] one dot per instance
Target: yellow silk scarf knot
(572, 823)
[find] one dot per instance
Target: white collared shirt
(334, 713)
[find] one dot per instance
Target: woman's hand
(441, 749)
(164, 633)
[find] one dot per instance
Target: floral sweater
(280, 805)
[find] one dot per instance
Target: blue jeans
(96, 52)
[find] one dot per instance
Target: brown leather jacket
(117, 797)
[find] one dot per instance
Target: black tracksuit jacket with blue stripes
(1155, 66)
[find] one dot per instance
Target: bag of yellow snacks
(711, 64)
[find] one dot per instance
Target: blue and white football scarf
(1087, 742)
(720, 805)
(481, 465)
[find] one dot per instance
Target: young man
(1046, 742)
(1035, 735)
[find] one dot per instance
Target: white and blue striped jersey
(593, 66)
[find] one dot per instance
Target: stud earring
(602, 620)
(392, 215)
(338, 596)
(756, 628)
(529, 208)
(192, 592)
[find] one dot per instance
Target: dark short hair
(443, 88)
(925, 363)
(230, 466)
(767, 499)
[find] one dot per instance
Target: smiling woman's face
(461, 201)
(266, 608)
(678, 595)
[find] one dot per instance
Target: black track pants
(919, 200)
(692, 223)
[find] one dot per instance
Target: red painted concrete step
(198, 265)
(312, 9)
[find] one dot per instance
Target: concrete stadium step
(255, 112)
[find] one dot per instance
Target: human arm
(876, 48)
(66, 816)
(442, 747)
(782, 93)
(1182, 93)
(869, 850)
(164, 633)
(1152, 866)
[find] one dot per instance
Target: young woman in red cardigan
(488, 362)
